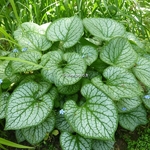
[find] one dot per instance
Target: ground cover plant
(77, 77)
(81, 86)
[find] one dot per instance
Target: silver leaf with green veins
(67, 30)
(119, 52)
(104, 28)
(120, 83)
(36, 134)
(74, 142)
(96, 118)
(142, 70)
(64, 69)
(133, 119)
(24, 110)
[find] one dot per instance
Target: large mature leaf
(102, 145)
(63, 69)
(31, 56)
(120, 83)
(96, 118)
(37, 133)
(3, 103)
(88, 53)
(142, 70)
(30, 35)
(104, 28)
(66, 30)
(132, 119)
(24, 109)
(74, 142)
(119, 52)
(128, 104)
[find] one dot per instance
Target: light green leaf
(69, 89)
(32, 56)
(142, 70)
(88, 53)
(74, 142)
(66, 30)
(19, 136)
(36, 134)
(3, 102)
(146, 100)
(64, 69)
(119, 52)
(120, 83)
(62, 124)
(133, 38)
(30, 35)
(24, 109)
(104, 28)
(102, 145)
(128, 104)
(133, 119)
(96, 118)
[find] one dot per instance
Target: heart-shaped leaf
(142, 70)
(3, 103)
(119, 52)
(3, 65)
(104, 28)
(30, 35)
(74, 142)
(102, 145)
(63, 69)
(88, 53)
(66, 30)
(22, 65)
(37, 133)
(133, 119)
(96, 118)
(128, 104)
(24, 109)
(120, 83)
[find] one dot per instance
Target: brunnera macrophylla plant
(57, 78)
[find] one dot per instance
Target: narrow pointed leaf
(66, 30)
(133, 119)
(96, 118)
(3, 103)
(74, 142)
(120, 83)
(24, 109)
(30, 35)
(37, 133)
(142, 70)
(89, 54)
(104, 28)
(128, 104)
(102, 145)
(64, 69)
(119, 52)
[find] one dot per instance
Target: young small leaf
(19, 136)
